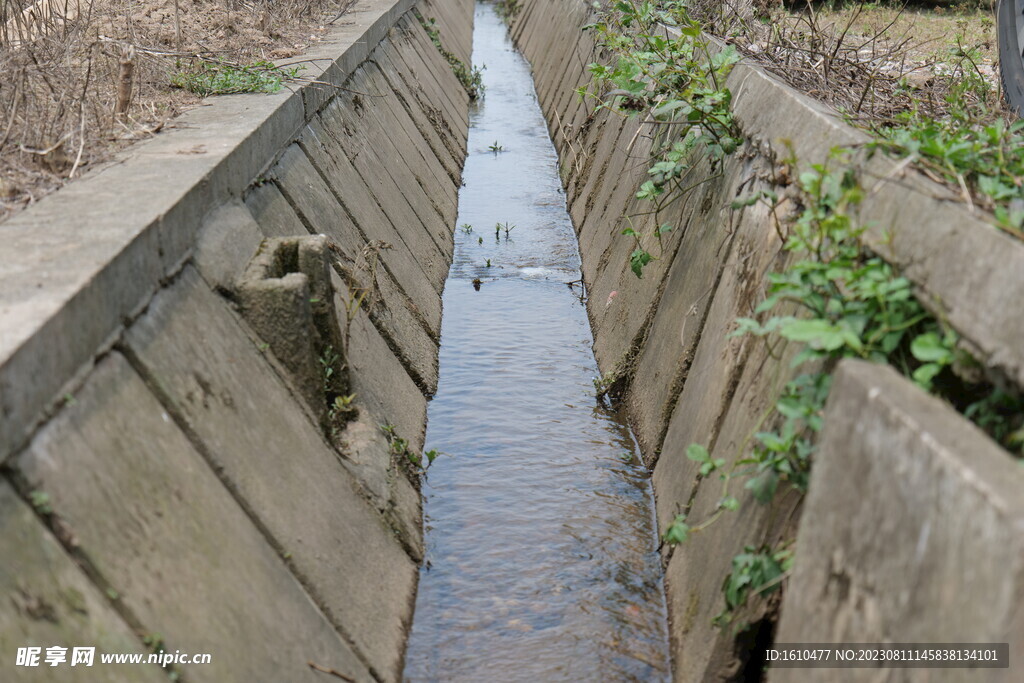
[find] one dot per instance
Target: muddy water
(541, 550)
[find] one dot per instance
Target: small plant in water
(466, 228)
(479, 240)
(506, 227)
(488, 263)
(496, 148)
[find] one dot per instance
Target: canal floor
(541, 559)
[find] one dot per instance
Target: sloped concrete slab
(277, 461)
(913, 531)
(48, 601)
(227, 241)
(272, 212)
(158, 525)
(379, 379)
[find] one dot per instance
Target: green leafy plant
(471, 78)
(674, 83)
(507, 9)
(755, 571)
(677, 532)
(226, 78)
(401, 449)
(835, 298)
(41, 501)
(328, 364)
(342, 406)
(467, 228)
(496, 148)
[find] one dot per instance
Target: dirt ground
(873, 61)
(67, 64)
(932, 30)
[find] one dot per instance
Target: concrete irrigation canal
(382, 378)
(540, 525)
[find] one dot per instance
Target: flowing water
(541, 550)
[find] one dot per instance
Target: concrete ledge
(970, 272)
(913, 531)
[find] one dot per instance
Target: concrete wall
(665, 338)
(164, 472)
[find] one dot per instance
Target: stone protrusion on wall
(287, 297)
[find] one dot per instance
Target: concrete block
(277, 461)
(272, 212)
(161, 529)
(227, 241)
(286, 294)
(913, 531)
(48, 601)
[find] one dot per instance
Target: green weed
(673, 84)
(225, 78)
(41, 501)
(471, 78)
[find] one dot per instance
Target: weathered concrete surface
(162, 531)
(65, 295)
(55, 604)
(397, 314)
(665, 339)
(218, 383)
(226, 244)
(913, 532)
(189, 468)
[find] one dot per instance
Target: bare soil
(872, 61)
(82, 79)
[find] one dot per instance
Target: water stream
(541, 549)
